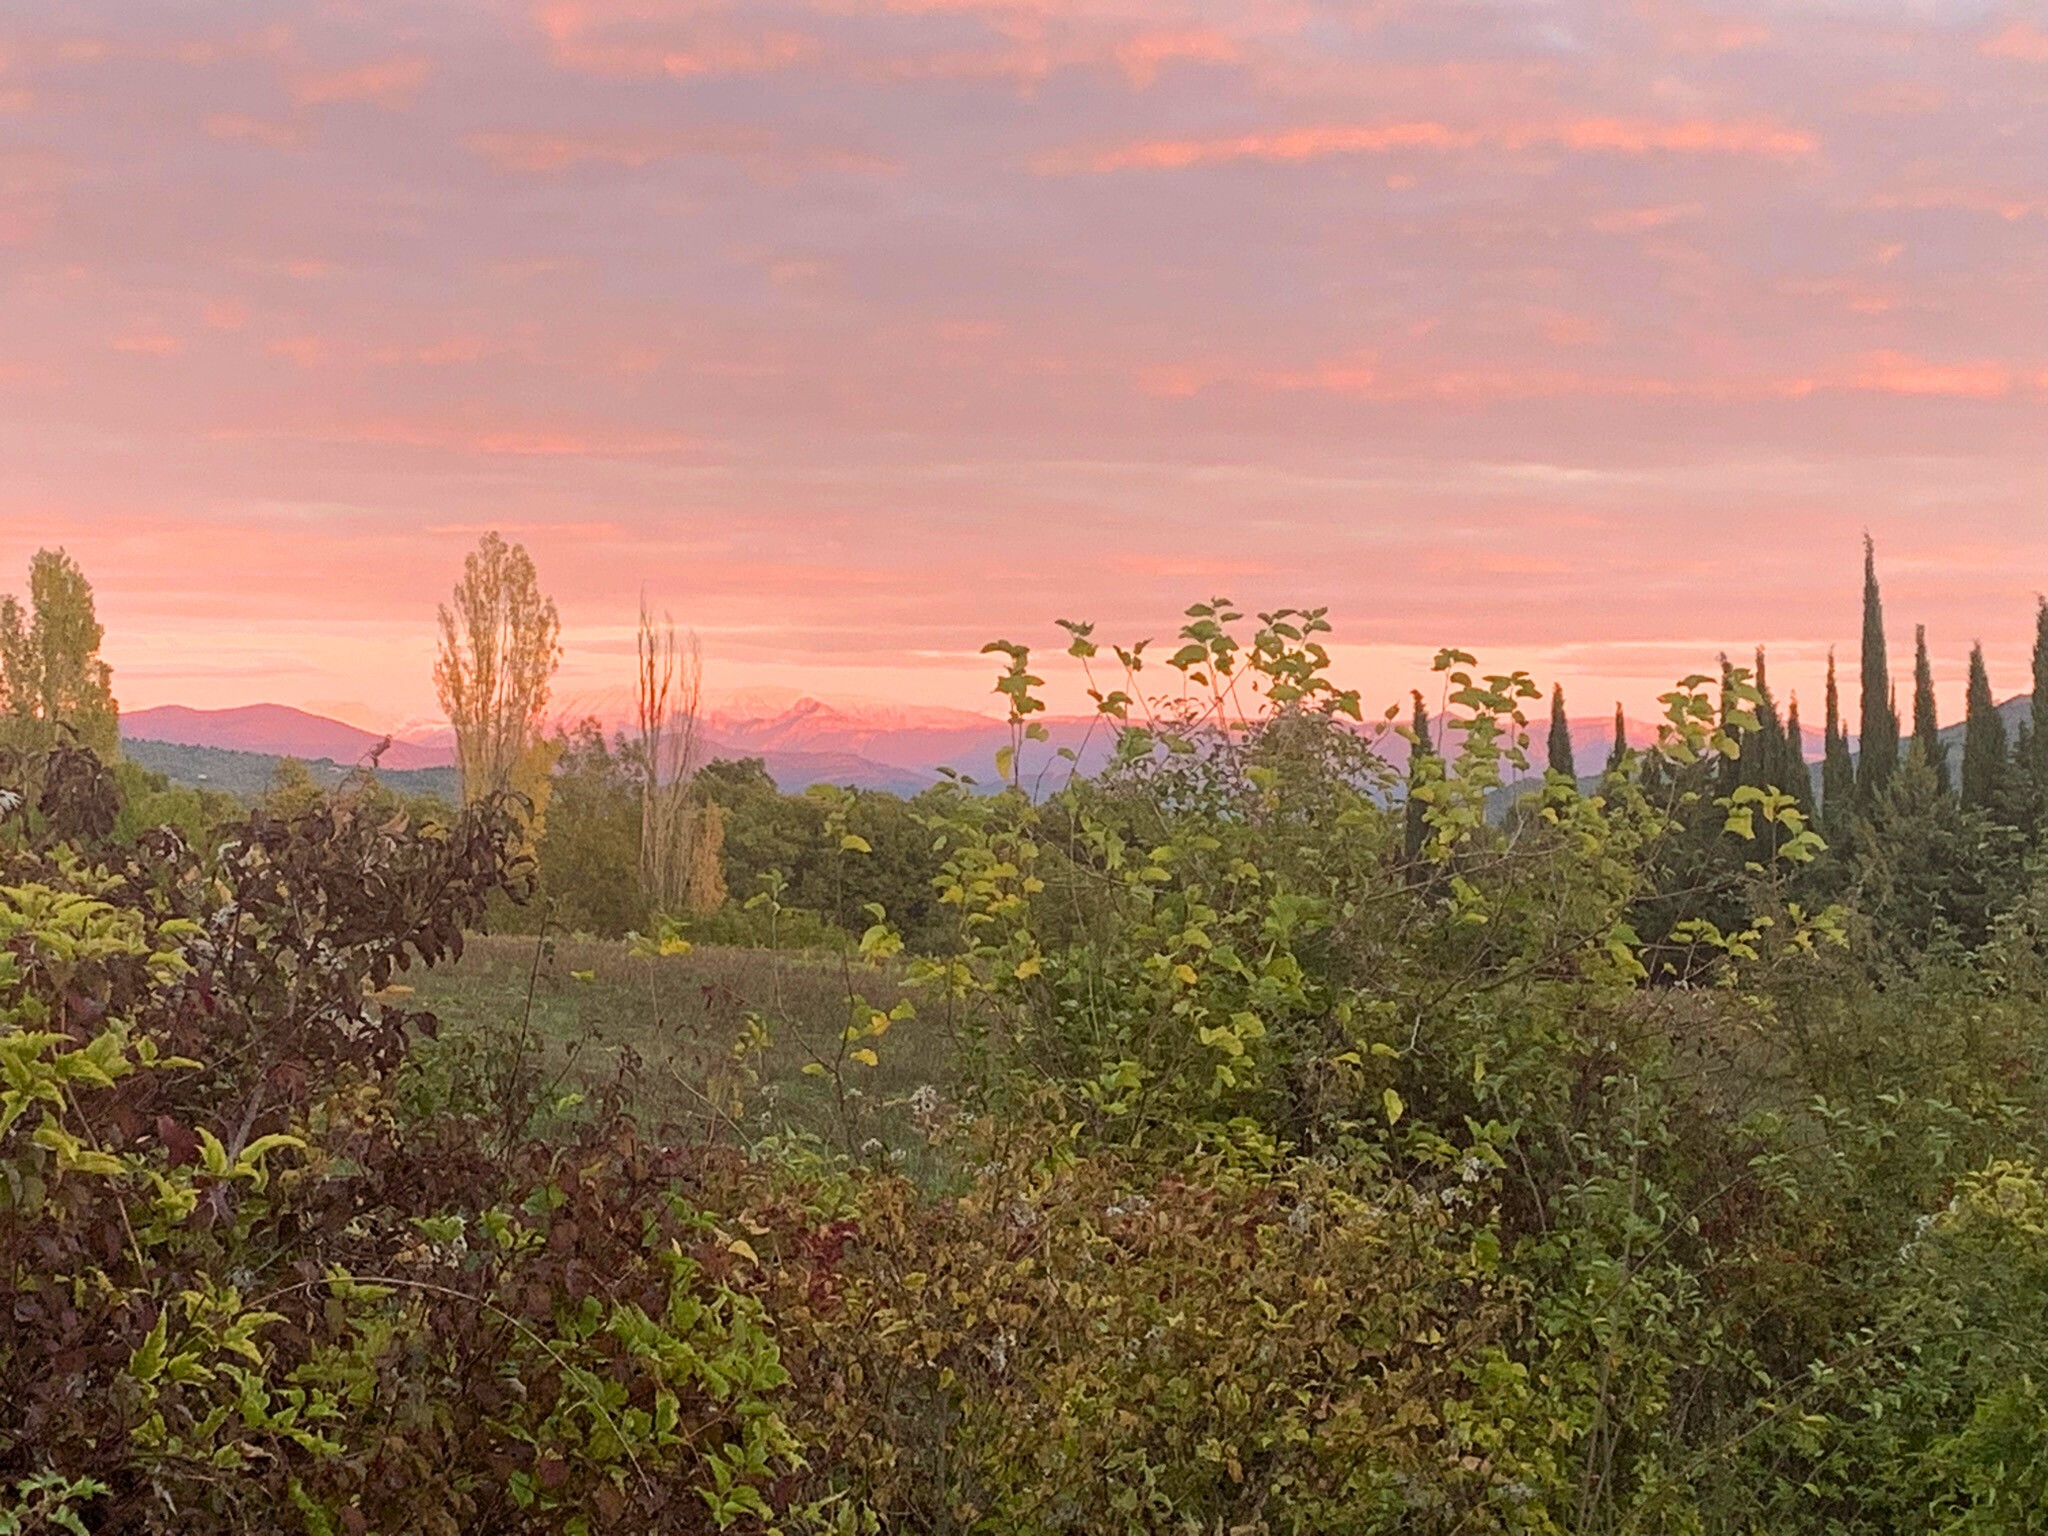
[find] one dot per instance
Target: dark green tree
(1617, 754)
(1878, 750)
(1561, 737)
(2035, 754)
(1420, 750)
(1927, 743)
(1984, 743)
(1838, 770)
(1794, 777)
(1763, 753)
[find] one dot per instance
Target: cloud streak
(1590, 135)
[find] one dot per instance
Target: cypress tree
(1927, 743)
(1794, 777)
(1763, 757)
(1879, 718)
(1838, 773)
(1983, 739)
(1416, 829)
(1617, 755)
(1561, 737)
(2037, 738)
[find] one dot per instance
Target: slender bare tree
(671, 680)
(500, 643)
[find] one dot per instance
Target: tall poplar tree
(1560, 743)
(1984, 743)
(500, 643)
(51, 675)
(1927, 743)
(1878, 725)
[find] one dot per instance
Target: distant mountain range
(895, 749)
(803, 741)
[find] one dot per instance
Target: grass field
(661, 1031)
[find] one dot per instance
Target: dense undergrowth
(1313, 1157)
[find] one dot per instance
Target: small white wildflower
(1301, 1216)
(870, 1147)
(924, 1102)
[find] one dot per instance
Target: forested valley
(1316, 1119)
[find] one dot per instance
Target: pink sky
(1587, 336)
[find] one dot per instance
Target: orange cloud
(1356, 377)
(507, 440)
(687, 40)
(1619, 221)
(1287, 144)
(1610, 135)
(541, 154)
(2022, 41)
(387, 83)
(545, 154)
(1897, 373)
(1698, 136)
(2009, 206)
(1140, 56)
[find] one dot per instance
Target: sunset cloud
(679, 41)
(1620, 136)
(1896, 373)
(388, 82)
(2022, 41)
(549, 154)
(862, 330)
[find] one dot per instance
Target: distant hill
(275, 730)
(249, 774)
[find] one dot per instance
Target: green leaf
(147, 1363)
